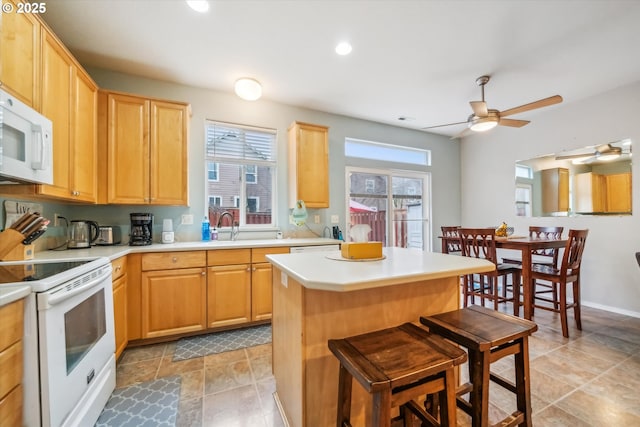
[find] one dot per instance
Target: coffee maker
(141, 229)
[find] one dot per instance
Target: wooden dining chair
(480, 243)
(560, 278)
(547, 256)
(451, 240)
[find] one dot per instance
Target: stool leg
(344, 397)
(448, 400)
(381, 411)
(479, 376)
(523, 385)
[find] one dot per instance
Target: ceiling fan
(604, 152)
(484, 118)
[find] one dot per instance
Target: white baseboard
(612, 309)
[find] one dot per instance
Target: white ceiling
(411, 58)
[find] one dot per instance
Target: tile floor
(590, 379)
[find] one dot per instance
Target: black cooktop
(27, 272)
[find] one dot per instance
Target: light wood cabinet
(589, 192)
(119, 283)
(618, 192)
(309, 165)
(228, 287)
(173, 293)
(262, 283)
(20, 55)
(11, 363)
(145, 144)
(66, 95)
(555, 190)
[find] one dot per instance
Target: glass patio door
(394, 204)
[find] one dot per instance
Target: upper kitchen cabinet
(20, 55)
(309, 165)
(555, 190)
(69, 99)
(144, 142)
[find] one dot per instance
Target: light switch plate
(335, 219)
(187, 219)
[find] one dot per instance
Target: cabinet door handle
(174, 259)
(203, 273)
(248, 269)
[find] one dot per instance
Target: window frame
(237, 149)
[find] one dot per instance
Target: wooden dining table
(525, 245)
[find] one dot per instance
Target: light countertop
(9, 295)
(114, 252)
(315, 270)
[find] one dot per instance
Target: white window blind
(240, 143)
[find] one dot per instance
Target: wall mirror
(594, 180)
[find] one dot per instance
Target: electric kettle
(82, 234)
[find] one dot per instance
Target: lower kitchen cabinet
(261, 282)
(228, 287)
(171, 293)
(119, 283)
(228, 295)
(174, 298)
(11, 368)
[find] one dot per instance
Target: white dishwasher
(318, 248)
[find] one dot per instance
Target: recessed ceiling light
(248, 89)
(343, 48)
(198, 5)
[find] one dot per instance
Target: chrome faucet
(234, 231)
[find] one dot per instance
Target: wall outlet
(316, 219)
(335, 219)
(56, 220)
(187, 219)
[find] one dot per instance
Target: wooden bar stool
(489, 336)
(395, 366)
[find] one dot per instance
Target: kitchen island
(317, 297)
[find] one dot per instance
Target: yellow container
(361, 250)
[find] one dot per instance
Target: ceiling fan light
(248, 89)
(199, 5)
(483, 124)
(607, 157)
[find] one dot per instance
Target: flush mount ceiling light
(198, 5)
(248, 89)
(343, 48)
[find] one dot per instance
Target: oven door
(77, 346)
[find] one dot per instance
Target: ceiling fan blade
(556, 99)
(479, 108)
(448, 124)
(513, 123)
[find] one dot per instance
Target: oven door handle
(72, 289)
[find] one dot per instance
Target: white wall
(610, 274)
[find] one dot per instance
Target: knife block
(11, 247)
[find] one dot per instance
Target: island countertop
(319, 270)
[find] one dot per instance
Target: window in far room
(240, 164)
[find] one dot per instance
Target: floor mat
(149, 404)
(201, 345)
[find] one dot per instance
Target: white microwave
(26, 143)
